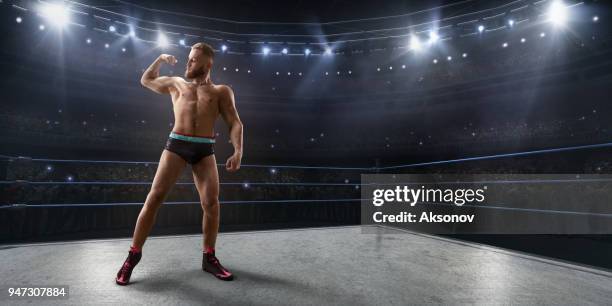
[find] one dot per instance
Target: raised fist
(169, 59)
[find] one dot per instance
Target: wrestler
(196, 104)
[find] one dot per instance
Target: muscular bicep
(161, 85)
(228, 107)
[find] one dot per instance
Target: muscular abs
(195, 109)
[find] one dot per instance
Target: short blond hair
(205, 48)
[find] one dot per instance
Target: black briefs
(189, 147)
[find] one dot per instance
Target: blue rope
(592, 146)
(542, 151)
(176, 203)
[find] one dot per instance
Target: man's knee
(156, 196)
(209, 203)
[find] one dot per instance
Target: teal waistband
(192, 138)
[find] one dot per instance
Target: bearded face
(197, 64)
(195, 72)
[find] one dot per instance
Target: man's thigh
(168, 171)
(206, 178)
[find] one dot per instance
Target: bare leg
(170, 168)
(206, 179)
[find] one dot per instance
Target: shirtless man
(196, 105)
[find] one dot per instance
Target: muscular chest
(197, 100)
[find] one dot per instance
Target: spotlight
(433, 37)
(182, 42)
(132, 34)
(246, 185)
(307, 52)
(18, 19)
(595, 19)
(272, 170)
(249, 71)
(481, 28)
(449, 58)
(223, 48)
(266, 50)
(523, 40)
(285, 51)
(403, 66)
(542, 35)
(511, 22)
(106, 46)
(123, 50)
(112, 28)
(41, 27)
(88, 41)
(350, 72)
(390, 67)
(435, 61)
(236, 69)
(328, 51)
(557, 13)
(49, 168)
(415, 43)
(162, 40)
(378, 69)
(56, 14)
(505, 45)
(464, 55)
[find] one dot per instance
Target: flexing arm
(230, 116)
(151, 79)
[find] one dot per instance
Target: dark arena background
(327, 91)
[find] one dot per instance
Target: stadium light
(182, 42)
(223, 48)
(481, 28)
(18, 19)
(162, 40)
(88, 41)
(595, 18)
(57, 14)
(112, 28)
(464, 55)
(557, 13)
(328, 51)
(505, 45)
(511, 22)
(433, 37)
(132, 33)
(415, 43)
(523, 40)
(41, 27)
(285, 51)
(307, 52)
(266, 50)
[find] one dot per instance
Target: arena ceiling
(294, 10)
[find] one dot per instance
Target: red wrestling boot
(123, 276)
(211, 264)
